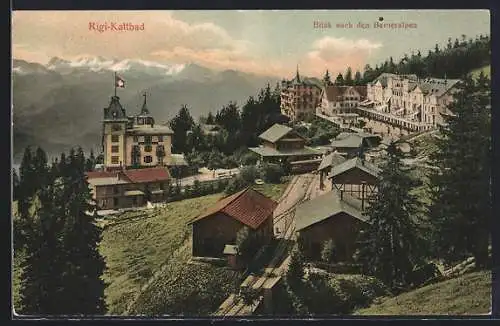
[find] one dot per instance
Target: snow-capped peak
(98, 63)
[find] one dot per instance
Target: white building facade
(407, 101)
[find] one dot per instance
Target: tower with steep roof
(113, 136)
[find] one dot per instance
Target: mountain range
(60, 104)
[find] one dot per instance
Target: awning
(133, 193)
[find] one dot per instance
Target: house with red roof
(128, 188)
(218, 225)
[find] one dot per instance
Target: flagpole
(115, 83)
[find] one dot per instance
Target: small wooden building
(352, 144)
(355, 177)
(218, 225)
(327, 163)
(326, 217)
(281, 143)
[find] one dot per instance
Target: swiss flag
(119, 82)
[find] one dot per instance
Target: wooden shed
(219, 224)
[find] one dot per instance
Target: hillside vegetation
(467, 294)
(486, 70)
(136, 244)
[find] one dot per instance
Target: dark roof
(437, 87)
(115, 110)
(353, 139)
(331, 160)
(275, 133)
(248, 206)
(353, 163)
(147, 174)
(324, 207)
(333, 91)
(268, 151)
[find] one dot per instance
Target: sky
(263, 42)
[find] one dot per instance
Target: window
(160, 138)
(116, 127)
(148, 139)
(114, 149)
(148, 159)
(115, 159)
(115, 138)
(115, 202)
(148, 148)
(115, 190)
(136, 139)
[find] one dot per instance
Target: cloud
(337, 54)
(69, 34)
(38, 36)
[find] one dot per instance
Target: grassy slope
(139, 246)
(136, 248)
(466, 294)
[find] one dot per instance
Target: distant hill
(59, 105)
(467, 294)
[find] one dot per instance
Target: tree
(248, 243)
(210, 119)
(15, 184)
(214, 161)
(348, 77)
(62, 256)
(328, 251)
(249, 174)
(91, 161)
(229, 118)
(295, 273)
(272, 173)
(390, 242)
(461, 187)
(358, 80)
(180, 125)
(339, 81)
(326, 79)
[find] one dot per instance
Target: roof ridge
(263, 195)
(236, 196)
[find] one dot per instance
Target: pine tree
(339, 81)
(210, 119)
(461, 189)
(348, 77)
(181, 124)
(390, 243)
(81, 236)
(358, 79)
(326, 79)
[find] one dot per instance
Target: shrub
(250, 158)
(272, 173)
(235, 185)
(249, 174)
(328, 251)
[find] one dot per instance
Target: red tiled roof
(101, 174)
(147, 175)
(248, 206)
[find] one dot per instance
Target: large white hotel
(407, 101)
